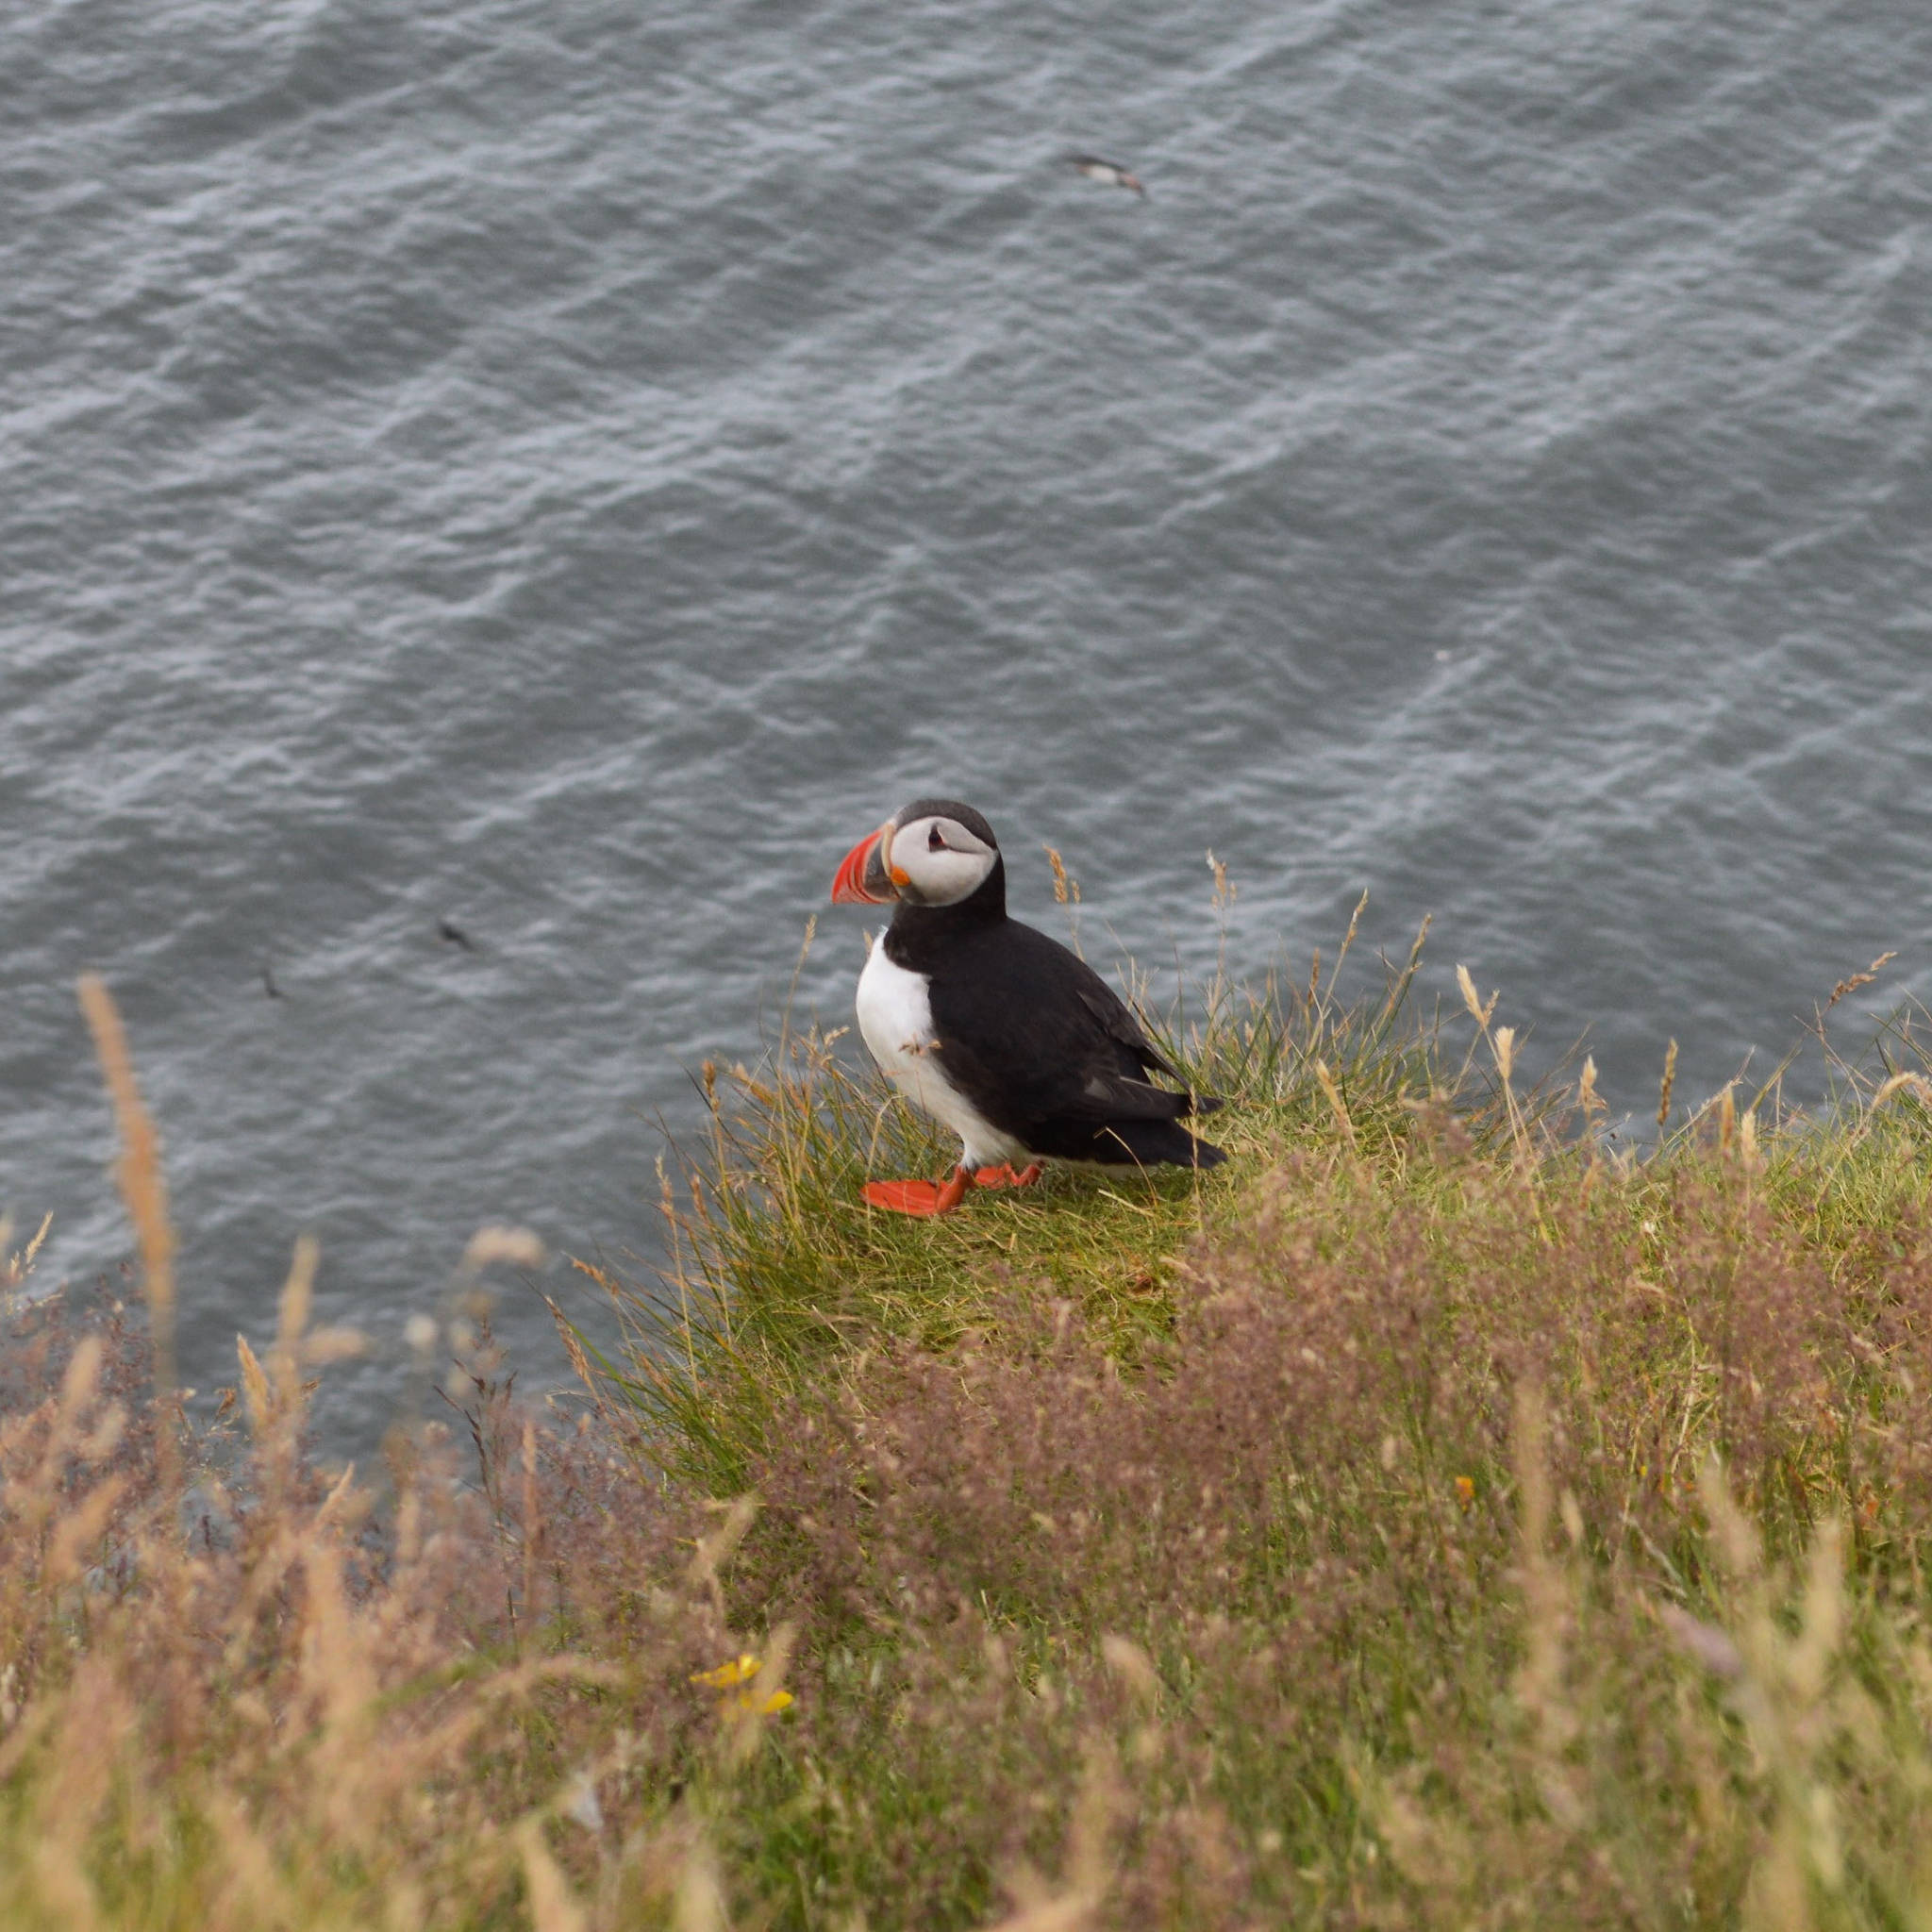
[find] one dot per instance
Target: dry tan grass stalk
(95, 1726)
(1224, 888)
(1914, 1084)
(254, 1388)
(698, 1903)
(553, 1907)
(715, 1551)
(1478, 1011)
(1670, 1079)
(252, 1892)
(1132, 1665)
(1853, 981)
(1325, 1080)
(15, 1268)
(1099, 1808)
(574, 1347)
(1588, 1098)
(145, 1192)
(1780, 1690)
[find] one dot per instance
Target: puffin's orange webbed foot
(923, 1198)
(1007, 1175)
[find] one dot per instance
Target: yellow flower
(1465, 1489)
(742, 1669)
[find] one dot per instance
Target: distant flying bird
(449, 930)
(268, 981)
(993, 1029)
(1111, 173)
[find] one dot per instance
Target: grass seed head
(1504, 1048)
(1588, 1098)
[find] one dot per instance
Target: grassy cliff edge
(1430, 1518)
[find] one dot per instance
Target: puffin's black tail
(1152, 1143)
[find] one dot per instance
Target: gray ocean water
(571, 469)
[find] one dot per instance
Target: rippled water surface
(570, 470)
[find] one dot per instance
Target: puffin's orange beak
(862, 879)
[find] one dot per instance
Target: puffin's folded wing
(1015, 1079)
(1103, 1098)
(1119, 1025)
(1136, 1054)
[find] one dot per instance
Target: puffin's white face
(937, 862)
(933, 852)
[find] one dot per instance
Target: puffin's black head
(933, 852)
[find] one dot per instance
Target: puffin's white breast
(895, 1021)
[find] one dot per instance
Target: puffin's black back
(1033, 1036)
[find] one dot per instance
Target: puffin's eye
(933, 841)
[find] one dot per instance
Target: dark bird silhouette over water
(268, 981)
(1110, 173)
(449, 930)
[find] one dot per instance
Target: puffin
(1111, 173)
(993, 1029)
